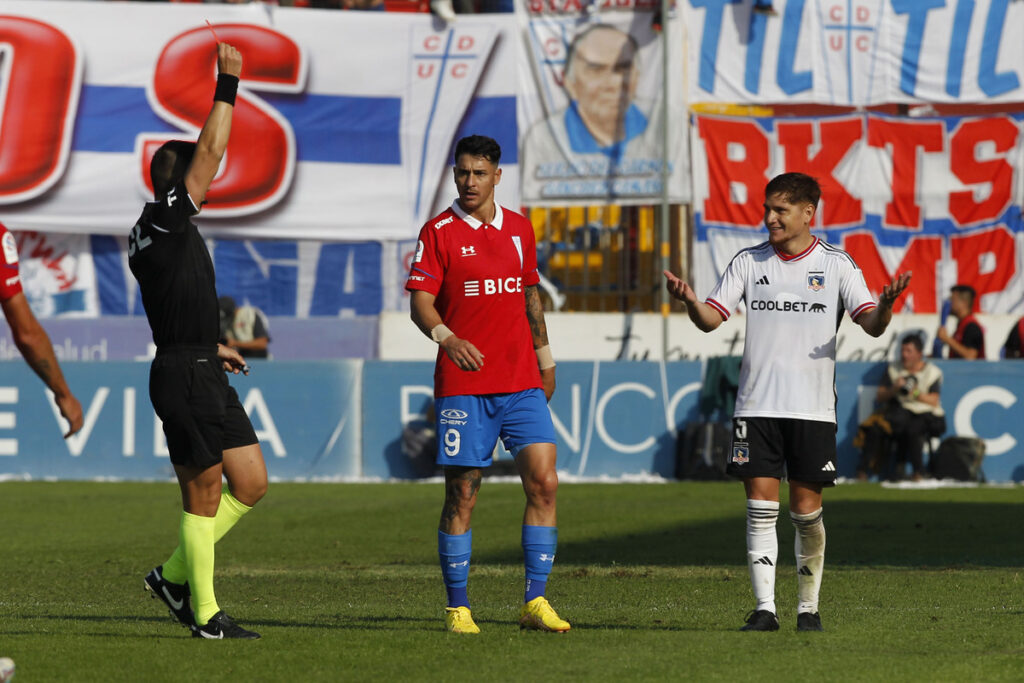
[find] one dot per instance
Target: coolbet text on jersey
(794, 307)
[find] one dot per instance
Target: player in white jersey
(796, 289)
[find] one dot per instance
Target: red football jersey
(10, 280)
(478, 273)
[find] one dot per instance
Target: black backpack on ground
(703, 450)
(959, 457)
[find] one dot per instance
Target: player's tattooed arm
(535, 316)
(539, 331)
(460, 489)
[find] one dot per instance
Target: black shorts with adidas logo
(200, 410)
(800, 450)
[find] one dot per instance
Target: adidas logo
(805, 571)
(765, 561)
(829, 467)
(763, 280)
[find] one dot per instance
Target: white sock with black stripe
(762, 550)
(810, 558)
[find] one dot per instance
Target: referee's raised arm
(213, 139)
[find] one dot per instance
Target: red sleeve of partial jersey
(530, 274)
(427, 270)
(10, 279)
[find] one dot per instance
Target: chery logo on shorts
(453, 416)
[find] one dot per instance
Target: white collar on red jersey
(476, 223)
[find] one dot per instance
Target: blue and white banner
(306, 416)
(343, 127)
(67, 275)
(344, 419)
(855, 52)
(598, 123)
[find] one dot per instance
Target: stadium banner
(937, 196)
(79, 276)
(856, 53)
(343, 420)
(592, 106)
(128, 338)
(326, 144)
(620, 419)
(57, 274)
(638, 336)
(306, 416)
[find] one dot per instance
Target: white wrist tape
(544, 358)
(440, 332)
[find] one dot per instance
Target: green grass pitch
(343, 583)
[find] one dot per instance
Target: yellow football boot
(460, 620)
(538, 614)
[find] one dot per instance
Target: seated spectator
(244, 328)
(1012, 347)
(909, 394)
(968, 341)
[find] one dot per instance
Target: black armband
(227, 86)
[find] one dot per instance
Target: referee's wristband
(544, 358)
(440, 332)
(227, 87)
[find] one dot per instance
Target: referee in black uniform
(208, 432)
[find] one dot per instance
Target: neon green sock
(229, 512)
(197, 539)
(175, 569)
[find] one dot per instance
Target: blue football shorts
(469, 426)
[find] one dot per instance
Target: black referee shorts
(200, 410)
(800, 450)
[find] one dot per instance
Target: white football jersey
(794, 307)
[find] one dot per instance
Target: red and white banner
(937, 196)
(342, 129)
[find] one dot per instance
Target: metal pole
(665, 223)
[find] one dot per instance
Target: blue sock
(454, 551)
(539, 543)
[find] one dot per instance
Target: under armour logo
(829, 467)
(469, 251)
(544, 557)
(763, 280)
(453, 565)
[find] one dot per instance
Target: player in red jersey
(30, 337)
(474, 292)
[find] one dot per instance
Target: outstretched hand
(679, 289)
(892, 291)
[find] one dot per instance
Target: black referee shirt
(168, 257)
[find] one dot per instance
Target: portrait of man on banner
(607, 140)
